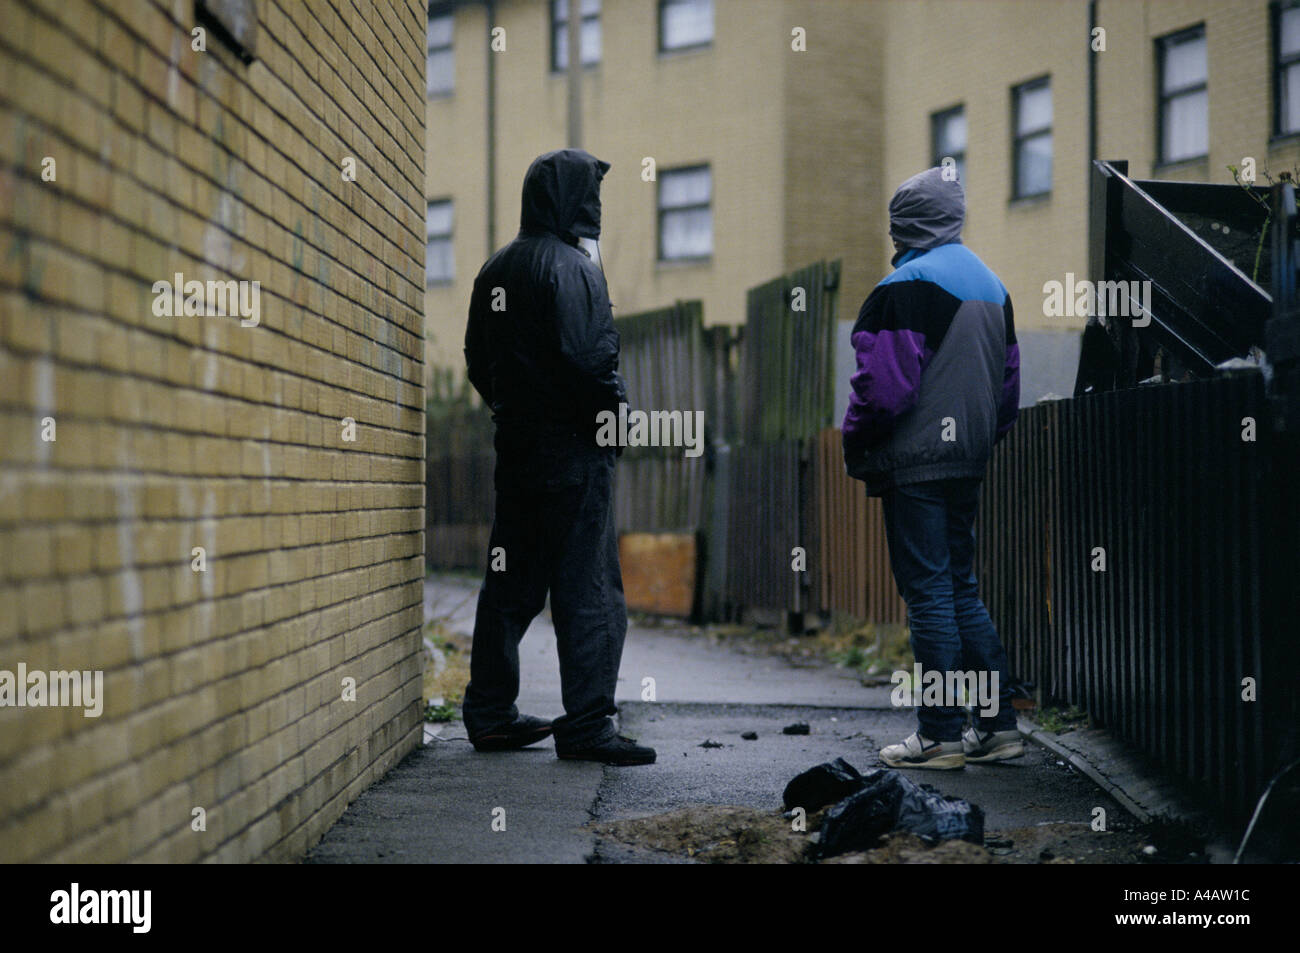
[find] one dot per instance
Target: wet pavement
(447, 803)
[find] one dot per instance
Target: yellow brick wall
(724, 105)
(1240, 86)
(455, 166)
(808, 147)
(944, 52)
(223, 689)
(834, 143)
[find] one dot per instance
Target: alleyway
(438, 805)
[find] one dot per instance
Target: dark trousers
(931, 535)
(560, 541)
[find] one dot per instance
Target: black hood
(562, 194)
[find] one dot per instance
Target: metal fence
(1128, 556)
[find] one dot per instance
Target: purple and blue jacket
(938, 371)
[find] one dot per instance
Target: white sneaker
(991, 746)
(918, 752)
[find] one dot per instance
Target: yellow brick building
(221, 515)
(806, 148)
(979, 55)
(777, 99)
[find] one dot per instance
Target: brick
(176, 431)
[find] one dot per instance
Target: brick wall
(939, 53)
(720, 105)
(223, 689)
(834, 134)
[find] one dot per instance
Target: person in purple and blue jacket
(937, 385)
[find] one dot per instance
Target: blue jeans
(930, 528)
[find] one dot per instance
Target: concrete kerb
(1218, 848)
(1051, 741)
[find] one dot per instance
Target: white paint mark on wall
(210, 363)
(43, 401)
(173, 74)
(205, 611)
(217, 245)
(128, 576)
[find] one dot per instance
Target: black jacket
(540, 346)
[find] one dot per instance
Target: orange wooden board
(659, 572)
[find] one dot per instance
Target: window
(948, 138)
(685, 214)
(1184, 123)
(442, 61)
(685, 24)
(233, 22)
(1032, 143)
(439, 262)
(1286, 55)
(590, 27)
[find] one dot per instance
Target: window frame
(1163, 97)
(936, 158)
(449, 237)
(438, 12)
(660, 211)
(1017, 137)
(1280, 68)
(669, 50)
(556, 69)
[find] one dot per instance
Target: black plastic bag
(825, 784)
(933, 817)
(889, 801)
(861, 819)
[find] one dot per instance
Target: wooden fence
(786, 374)
(854, 575)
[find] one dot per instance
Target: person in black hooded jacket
(542, 351)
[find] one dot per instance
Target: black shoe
(520, 733)
(617, 750)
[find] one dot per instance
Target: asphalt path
(447, 803)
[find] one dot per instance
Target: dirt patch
(711, 834)
(1069, 843)
(910, 849)
(744, 835)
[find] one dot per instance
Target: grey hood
(926, 211)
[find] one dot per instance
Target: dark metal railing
(1202, 310)
(1128, 555)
